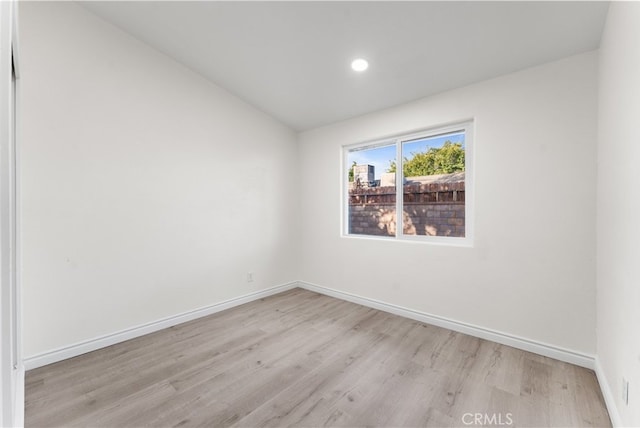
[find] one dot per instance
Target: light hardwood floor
(304, 359)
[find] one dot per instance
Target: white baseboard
(605, 387)
(562, 354)
(573, 357)
(85, 346)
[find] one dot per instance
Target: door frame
(11, 366)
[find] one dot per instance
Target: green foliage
(351, 171)
(443, 160)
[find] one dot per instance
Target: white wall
(618, 278)
(531, 272)
(147, 190)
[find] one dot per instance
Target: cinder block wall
(435, 209)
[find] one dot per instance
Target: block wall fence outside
(434, 209)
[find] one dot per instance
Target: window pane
(372, 191)
(434, 185)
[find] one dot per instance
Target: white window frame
(467, 127)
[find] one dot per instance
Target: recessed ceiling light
(359, 64)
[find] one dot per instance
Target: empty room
(304, 214)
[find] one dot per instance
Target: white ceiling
(292, 59)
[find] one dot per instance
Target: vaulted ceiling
(292, 59)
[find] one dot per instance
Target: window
(426, 176)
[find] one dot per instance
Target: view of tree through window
(433, 181)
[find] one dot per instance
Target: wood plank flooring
(304, 359)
